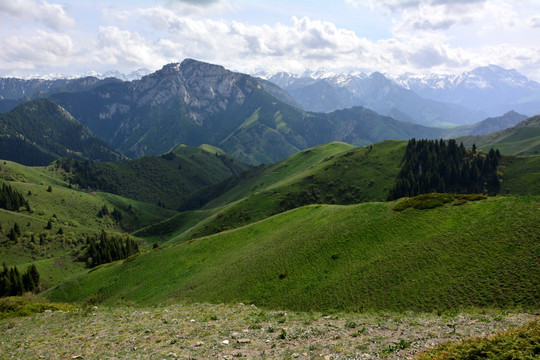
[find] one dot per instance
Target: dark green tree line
(443, 166)
(105, 248)
(13, 283)
(11, 199)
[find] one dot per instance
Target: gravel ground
(205, 331)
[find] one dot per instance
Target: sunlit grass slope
(522, 139)
(520, 175)
(357, 257)
(72, 214)
(334, 173)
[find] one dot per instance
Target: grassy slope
(170, 178)
(75, 212)
(355, 257)
(332, 173)
(520, 175)
(522, 139)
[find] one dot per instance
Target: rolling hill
(72, 215)
(358, 257)
(167, 180)
(335, 173)
(521, 139)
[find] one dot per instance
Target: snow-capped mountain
(491, 89)
(433, 99)
(134, 75)
(326, 92)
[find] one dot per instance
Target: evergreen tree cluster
(115, 214)
(13, 283)
(443, 166)
(87, 175)
(14, 233)
(105, 248)
(11, 199)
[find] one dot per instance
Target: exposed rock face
(205, 88)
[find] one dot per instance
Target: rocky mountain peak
(205, 88)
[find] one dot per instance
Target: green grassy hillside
(168, 180)
(358, 257)
(520, 175)
(522, 139)
(335, 173)
(72, 215)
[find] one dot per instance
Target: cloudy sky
(392, 36)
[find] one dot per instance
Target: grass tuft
(521, 343)
(15, 306)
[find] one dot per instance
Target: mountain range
(252, 119)
(196, 103)
(490, 89)
(434, 100)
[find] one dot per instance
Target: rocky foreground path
(205, 331)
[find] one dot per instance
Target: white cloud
(53, 16)
(32, 52)
(123, 48)
(534, 21)
(426, 38)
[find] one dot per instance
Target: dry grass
(202, 331)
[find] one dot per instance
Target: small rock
(173, 355)
(199, 343)
(243, 341)
(245, 330)
(225, 342)
(147, 331)
(235, 335)
(77, 357)
(48, 311)
(192, 320)
(295, 355)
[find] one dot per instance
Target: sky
(391, 36)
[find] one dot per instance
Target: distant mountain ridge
(252, 119)
(491, 89)
(329, 92)
(195, 103)
(39, 132)
(487, 126)
(521, 139)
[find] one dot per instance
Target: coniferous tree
(106, 247)
(443, 166)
